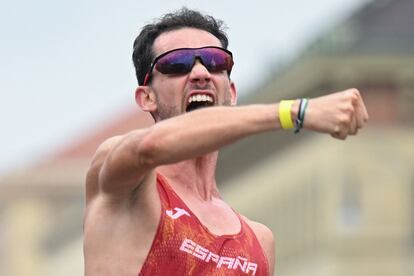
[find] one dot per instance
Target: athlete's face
(168, 95)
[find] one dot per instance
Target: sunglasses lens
(216, 60)
(181, 61)
(177, 62)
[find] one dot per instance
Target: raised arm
(122, 163)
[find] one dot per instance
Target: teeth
(200, 98)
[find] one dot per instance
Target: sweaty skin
(122, 203)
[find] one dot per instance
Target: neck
(195, 176)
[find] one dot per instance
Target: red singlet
(184, 246)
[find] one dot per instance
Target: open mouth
(199, 101)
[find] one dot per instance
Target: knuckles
(348, 108)
(345, 119)
(353, 93)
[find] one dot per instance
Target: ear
(145, 98)
(233, 94)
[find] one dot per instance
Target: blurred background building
(336, 208)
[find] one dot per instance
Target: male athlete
(152, 203)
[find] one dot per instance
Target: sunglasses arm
(146, 79)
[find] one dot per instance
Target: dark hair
(143, 53)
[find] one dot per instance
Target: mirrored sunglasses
(182, 60)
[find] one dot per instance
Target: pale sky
(65, 66)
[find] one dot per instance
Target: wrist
(292, 113)
(303, 104)
(295, 110)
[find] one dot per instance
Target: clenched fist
(339, 114)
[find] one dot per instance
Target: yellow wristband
(285, 116)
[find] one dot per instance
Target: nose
(199, 72)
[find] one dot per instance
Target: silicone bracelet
(301, 114)
(285, 117)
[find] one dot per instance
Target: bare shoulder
(104, 149)
(266, 239)
(96, 164)
(117, 169)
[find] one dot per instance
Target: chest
(206, 243)
(214, 216)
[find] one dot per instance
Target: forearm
(180, 138)
(206, 130)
